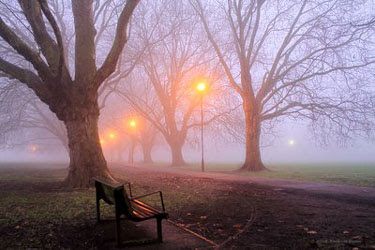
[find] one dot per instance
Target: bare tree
(12, 106)
(296, 59)
(72, 97)
(147, 140)
(26, 121)
(170, 66)
(43, 125)
(38, 117)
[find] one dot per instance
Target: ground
(232, 212)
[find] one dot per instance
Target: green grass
(36, 213)
(358, 175)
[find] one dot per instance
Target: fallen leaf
(345, 232)
(203, 217)
(311, 232)
(237, 226)
(358, 237)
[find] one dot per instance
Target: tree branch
(25, 76)
(110, 62)
(23, 49)
(62, 70)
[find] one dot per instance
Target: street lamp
(112, 135)
(33, 148)
(201, 88)
(133, 125)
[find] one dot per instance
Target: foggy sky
(304, 151)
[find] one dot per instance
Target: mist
(187, 124)
(304, 151)
(295, 88)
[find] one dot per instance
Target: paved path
(173, 237)
(177, 238)
(357, 193)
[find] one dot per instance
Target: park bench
(128, 207)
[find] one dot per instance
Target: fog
(293, 84)
(303, 151)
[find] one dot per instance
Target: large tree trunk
(86, 157)
(131, 151)
(74, 101)
(146, 150)
(176, 150)
(253, 160)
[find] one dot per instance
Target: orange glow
(201, 86)
(33, 148)
(112, 135)
(133, 123)
(102, 142)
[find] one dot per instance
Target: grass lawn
(348, 174)
(358, 175)
(35, 212)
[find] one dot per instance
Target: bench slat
(142, 210)
(146, 206)
(134, 210)
(139, 214)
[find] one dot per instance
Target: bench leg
(118, 230)
(160, 232)
(97, 209)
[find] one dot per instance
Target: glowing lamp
(201, 86)
(133, 123)
(112, 135)
(292, 142)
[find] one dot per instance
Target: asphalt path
(348, 193)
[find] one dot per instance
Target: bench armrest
(145, 195)
(130, 189)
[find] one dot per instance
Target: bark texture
(147, 157)
(131, 151)
(72, 99)
(253, 159)
(176, 151)
(86, 157)
(80, 116)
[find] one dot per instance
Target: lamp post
(201, 88)
(133, 126)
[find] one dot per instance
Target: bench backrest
(114, 195)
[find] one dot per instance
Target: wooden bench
(128, 207)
